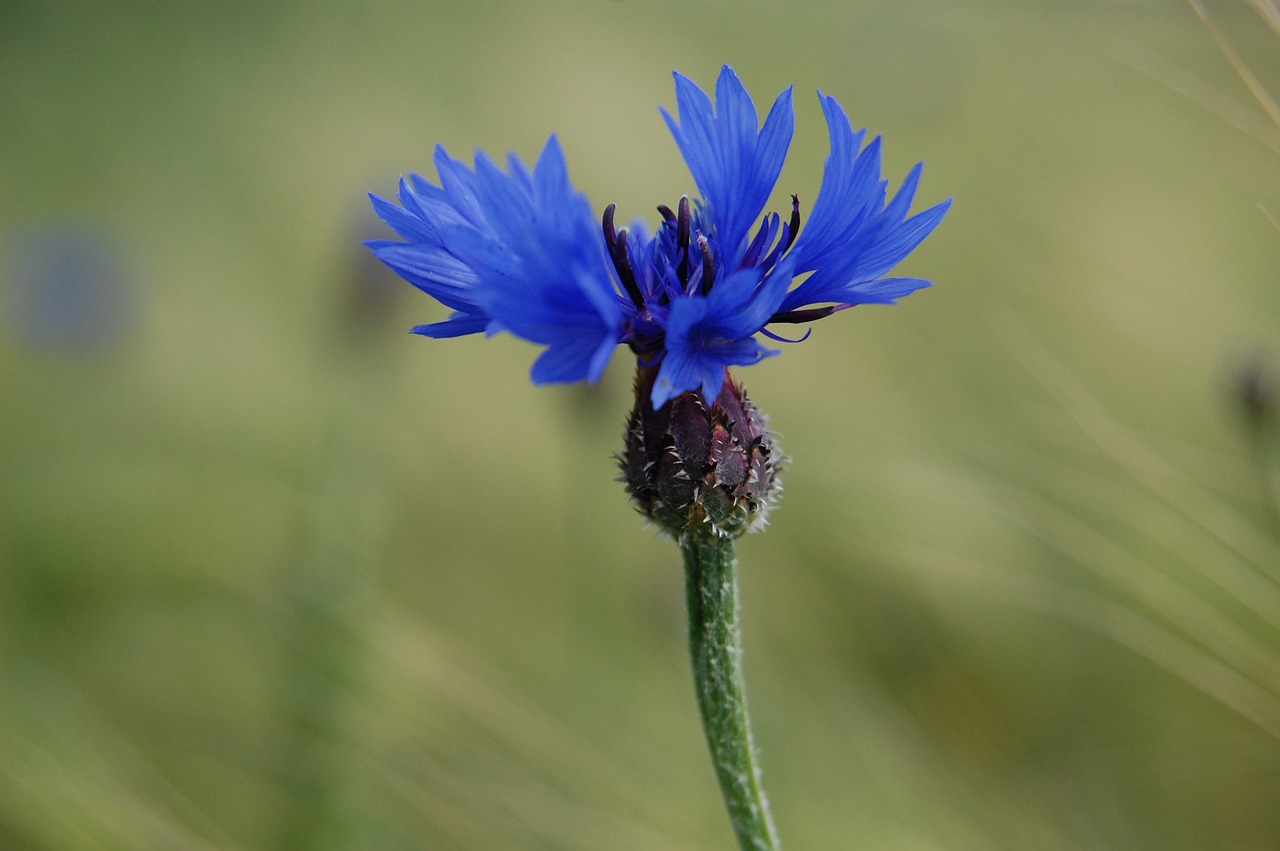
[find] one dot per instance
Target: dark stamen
(812, 314)
(787, 238)
(756, 248)
(622, 262)
(794, 229)
(708, 264)
(683, 227)
(616, 241)
(610, 236)
(667, 215)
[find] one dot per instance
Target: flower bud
(690, 467)
(1257, 392)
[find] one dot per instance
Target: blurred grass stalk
(1205, 643)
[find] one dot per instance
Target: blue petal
(702, 369)
(687, 369)
(458, 185)
(485, 253)
(516, 251)
(851, 190)
(431, 270)
(455, 326)
(682, 371)
(545, 276)
(706, 334)
(741, 305)
(551, 174)
(408, 226)
(882, 290)
(506, 207)
(734, 166)
(430, 203)
(893, 246)
(901, 203)
(853, 236)
(695, 135)
(572, 358)
(520, 172)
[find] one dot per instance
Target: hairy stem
(715, 647)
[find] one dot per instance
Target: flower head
(521, 251)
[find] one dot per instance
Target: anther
(708, 264)
(622, 262)
(666, 213)
(683, 226)
(616, 242)
(610, 236)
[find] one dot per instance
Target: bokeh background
(276, 574)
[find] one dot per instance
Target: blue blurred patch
(65, 286)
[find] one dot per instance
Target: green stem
(715, 647)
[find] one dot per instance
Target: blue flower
(521, 251)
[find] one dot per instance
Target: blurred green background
(276, 574)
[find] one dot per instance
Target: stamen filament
(708, 264)
(812, 314)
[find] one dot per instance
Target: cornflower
(522, 251)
